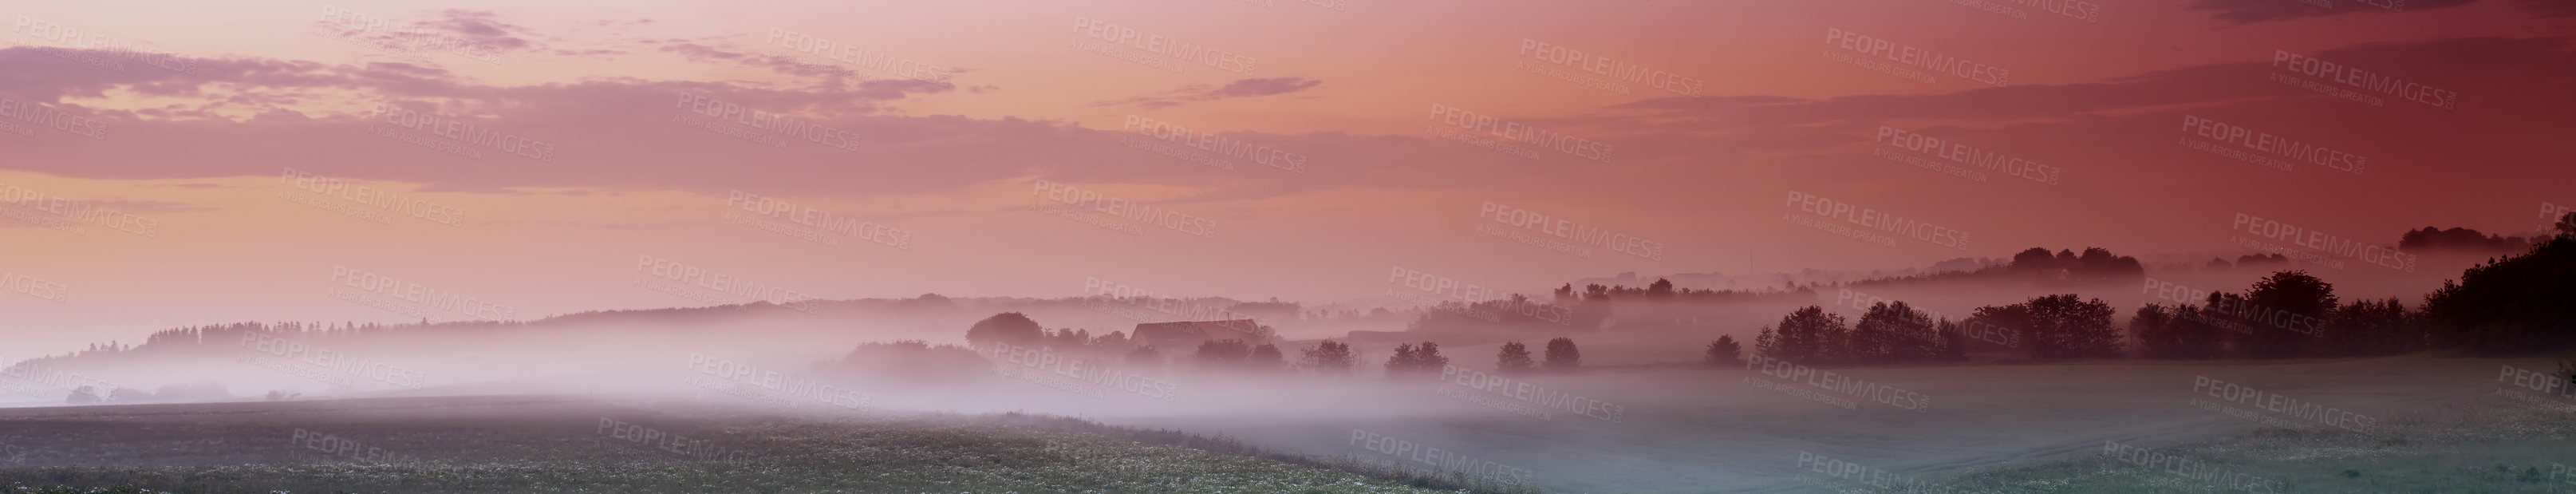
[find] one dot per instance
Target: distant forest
(2523, 301)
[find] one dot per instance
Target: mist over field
(1307, 246)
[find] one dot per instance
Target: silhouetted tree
(2153, 328)
(2285, 309)
(1330, 356)
(1562, 356)
(1427, 359)
(1808, 335)
(1403, 362)
(1513, 359)
(83, 395)
(1265, 358)
(1893, 332)
(1725, 351)
(1008, 327)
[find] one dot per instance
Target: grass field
(547, 444)
(2434, 425)
(2509, 447)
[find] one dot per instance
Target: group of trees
(1890, 332)
(2515, 303)
(2518, 302)
(2285, 315)
(2045, 327)
(1412, 361)
(196, 391)
(1237, 355)
(1015, 328)
(1018, 329)
(1562, 356)
(2038, 265)
(2461, 239)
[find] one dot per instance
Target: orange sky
(177, 163)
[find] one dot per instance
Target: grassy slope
(2498, 446)
(556, 446)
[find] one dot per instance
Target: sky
(175, 163)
